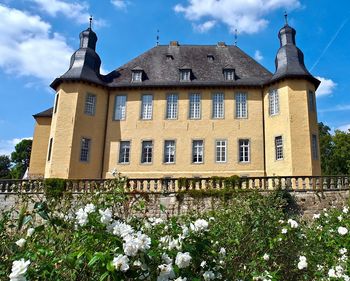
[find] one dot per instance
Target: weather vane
(236, 36)
(286, 17)
(157, 37)
(90, 19)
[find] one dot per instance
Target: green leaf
(110, 266)
(162, 208)
(27, 219)
(104, 276)
(21, 216)
(94, 260)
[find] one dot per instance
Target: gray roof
(45, 113)
(160, 70)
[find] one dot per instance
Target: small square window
(229, 74)
(185, 75)
(137, 76)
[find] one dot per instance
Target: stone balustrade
(171, 185)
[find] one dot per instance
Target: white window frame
(185, 74)
(314, 146)
(90, 104)
(147, 152)
(120, 107)
(241, 100)
(146, 107)
(221, 151)
(274, 107)
(197, 151)
(218, 106)
(279, 148)
(195, 106)
(124, 152)
(136, 76)
(243, 150)
(85, 147)
(172, 106)
(169, 151)
(229, 74)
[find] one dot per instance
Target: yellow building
(180, 111)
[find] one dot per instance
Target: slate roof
(160, 70)
(45, 113)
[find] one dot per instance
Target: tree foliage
(335, 151)
(5, 165)
(20, 157)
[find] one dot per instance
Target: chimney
(174, 43)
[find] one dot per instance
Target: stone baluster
(303, 183)
(346, 182)
(332, 183)
(339, 183)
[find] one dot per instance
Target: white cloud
(344, 128)
(258, 56)
(120, 4)
(77, 11)
(245, 16)
(204, 27)
(8, 146)
(326, 87)
(343, 107)
(29, 48)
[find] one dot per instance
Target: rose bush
(252, 238)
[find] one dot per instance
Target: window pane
(197, 151)
(273, 102)
(85, 149)
(90, 104)
(124, 152)
(279, 147)
(147, 149)
(146, 111)
(169, 151)
(50, 149)
(311, 101)
(171, 111)
(229, 74)
(244, 150)
(185, 75)
(120, 108)
(241, 105)
(56, 102)
(221, 151)
(218, 105)
(137, 76)
(195, 106)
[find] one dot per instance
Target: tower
(79, 116)
(291, 130)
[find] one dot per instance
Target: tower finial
(286, 17)
(90, 20)
(236, 36)
(157, 37)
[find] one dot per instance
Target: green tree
(20, 157)
(326, 149)
(341, 153)
(5, 164)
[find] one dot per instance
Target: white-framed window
(197, 151)
(50, 150)
(244, 150)
(195, 106)
(90, 104)
(241, 105)
(146, 107)
(312, 104)
(314, 147)
(147, 152)
(169, 151)
(185, 74)
(218, 105)
(220, 149)
(274, 107)
(136, 76)
(278, 148)
(124, 152)
(120, 108)
(85, 149)
(171, 106)
(56, 103)
(229, 74)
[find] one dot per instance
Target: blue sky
(37, 38)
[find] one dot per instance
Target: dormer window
(185, 74)
(229, 74)
(169, 57)
(210, 57)
(137, 75)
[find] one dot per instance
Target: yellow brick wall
(39, 147)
